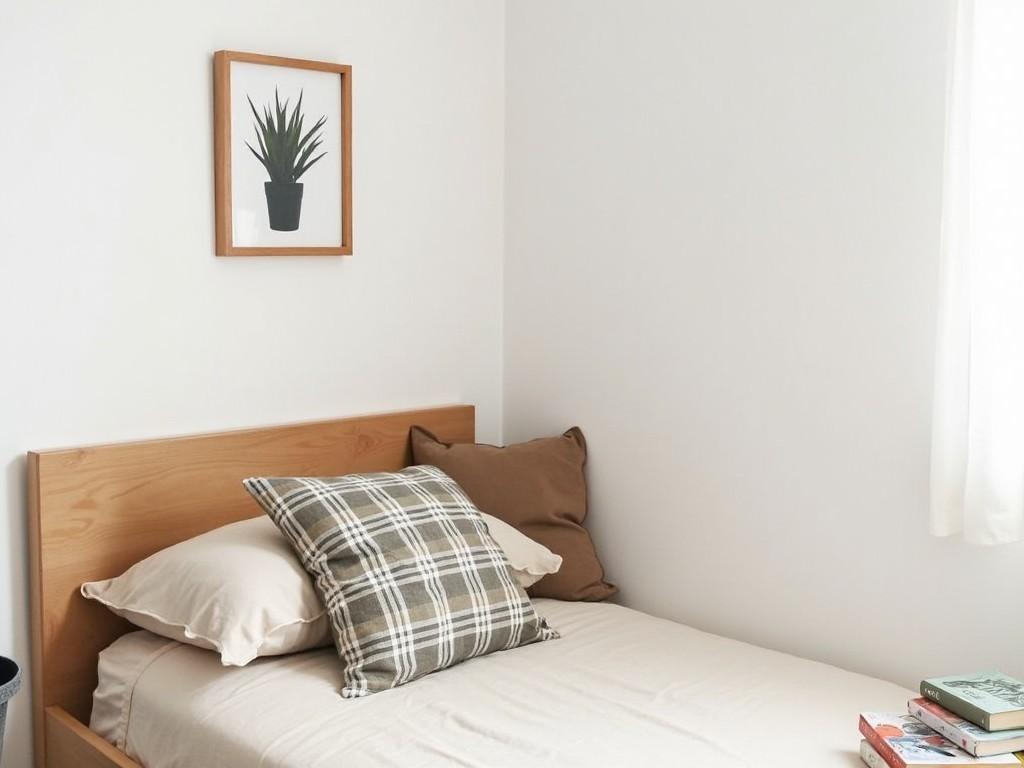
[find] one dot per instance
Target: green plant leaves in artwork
(284, 150)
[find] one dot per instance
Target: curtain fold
(977, 460)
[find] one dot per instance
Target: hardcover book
(992, 700)
(902, 741)
(964, 733)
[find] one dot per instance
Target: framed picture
(282, 156)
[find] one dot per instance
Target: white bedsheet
(620, 688)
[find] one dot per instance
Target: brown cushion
(539, 488)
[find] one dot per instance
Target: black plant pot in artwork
(284, 204)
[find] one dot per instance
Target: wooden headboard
(95, 511)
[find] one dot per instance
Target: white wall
(722, 234)
(116, 320)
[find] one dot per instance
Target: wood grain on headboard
(95, 511)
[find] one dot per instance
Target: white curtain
(977, 471)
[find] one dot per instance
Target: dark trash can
(10, 682)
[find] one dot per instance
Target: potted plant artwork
(282, 156)
(286, 152)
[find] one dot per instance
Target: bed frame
(95, 511)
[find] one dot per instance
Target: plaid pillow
(411, 578)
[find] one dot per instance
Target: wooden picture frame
(248, 225)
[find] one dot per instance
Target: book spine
(870, 757)
(881, 745)
(956, 705)
(963, 740)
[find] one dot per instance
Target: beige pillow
(238, 590)
(530, 560)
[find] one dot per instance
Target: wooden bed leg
(69, 744)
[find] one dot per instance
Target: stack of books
(958, 720)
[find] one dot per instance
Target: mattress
(620, 688)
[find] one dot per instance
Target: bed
(619, 687)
